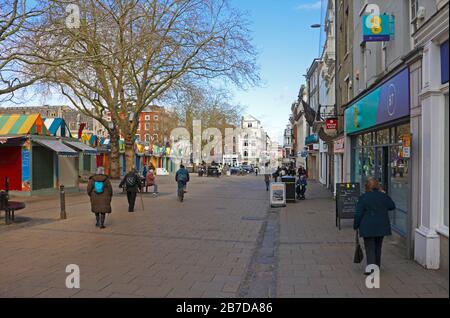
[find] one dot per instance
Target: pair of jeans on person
(373, 246)
(131, 196)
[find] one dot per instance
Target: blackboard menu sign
(347, 195)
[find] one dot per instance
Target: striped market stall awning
(22, 125)
(57, 127)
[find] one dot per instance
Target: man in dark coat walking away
(100, 191)
(372, 220)
(132, 183)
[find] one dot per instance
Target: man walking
(182, 178)
(132, 183)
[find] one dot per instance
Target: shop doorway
(43, 163)
(382, 164)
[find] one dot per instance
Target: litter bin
(290, 188)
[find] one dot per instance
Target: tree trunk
(129, 152)
(114, 157)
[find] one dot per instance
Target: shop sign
(376, 28)
(26, 160)
(277, 194)
(347, 195)
(311, 139)
(331, 124)
(339, 145)
(386, 103)
(406, 140)
(406, 152)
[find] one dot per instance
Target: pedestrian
(132, 183)
(151, 181)
(100, 192)
(267, 181)
(144, 172)
(372, 220)
(182, 178)
(256, 171)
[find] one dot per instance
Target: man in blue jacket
(182, 178)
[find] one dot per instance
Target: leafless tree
(126, 54)
(18, 21)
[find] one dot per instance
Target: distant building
(252, 141)
(151, 127)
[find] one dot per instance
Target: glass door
(382, 164)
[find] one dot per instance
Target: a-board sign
(277, 194)
(347, 195)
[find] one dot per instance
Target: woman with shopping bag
(372, 220)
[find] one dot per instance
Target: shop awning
(57, 127)
(22, 125)
(57, 146)
(12, 140)
(82, 147)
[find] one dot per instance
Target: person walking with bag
(132, 183)
(100, 192)
(372, 220)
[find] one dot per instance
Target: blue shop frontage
(378, 127)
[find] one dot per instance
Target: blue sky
(287, 45)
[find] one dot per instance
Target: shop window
(399, 187)
(367, 140)
(382, 137)
(357, 165)
(359, 141)
(402, 131)
(368, 167)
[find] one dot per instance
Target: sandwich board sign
(277, 194)
(347, 195)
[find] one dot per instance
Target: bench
(9, 207)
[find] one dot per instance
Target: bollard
(62, 197)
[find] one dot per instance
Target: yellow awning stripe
(28, 124)
(8, 125)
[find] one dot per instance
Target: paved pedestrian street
(223, 241)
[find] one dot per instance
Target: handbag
(359, 256)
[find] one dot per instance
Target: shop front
(313, 158)
(34, 161)
(338, 158)
(379, 127)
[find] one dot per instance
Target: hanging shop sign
(384, 104)
(339, 145)
(312, 139)
(376, 28)
(331, 124)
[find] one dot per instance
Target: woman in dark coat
(100, 191)
(372, 220)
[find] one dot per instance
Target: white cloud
(310, 6)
